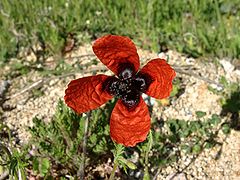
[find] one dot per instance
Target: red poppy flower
(130, 119)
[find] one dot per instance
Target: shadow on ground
(232, 108)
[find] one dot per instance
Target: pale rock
(176, 176)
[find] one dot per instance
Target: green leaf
(226, 128)
(146, 175)
(185, 133)
(173, 125)
(174, 138)
(215, 120)
(150, 142)
(118, 151)
(124, 167)
(200, 114)
(209, 145)
(126, 162)
(223, 81)
(195, 126)
(45, 166)
(185, 148)
(175, 89)
(35, 165)
(183, 124)
(202, 132)
(131, 165)
(196, 149)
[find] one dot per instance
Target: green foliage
(57, 146)
(200, 114)
(119, 160)
(20, 68)
(183, 137)
(176, 87)
(14, 162)
(99, 141)
(59, 143)
(12, 159)
(41, 166)
(226, 128)
(215, 120)
(147, 151)
(5, 155)
(58, 140)
(61, 68)
(18, 162)
(179, 24)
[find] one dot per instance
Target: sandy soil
(195, 74)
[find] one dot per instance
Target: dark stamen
(131, 99)
(142, 82)
(126, 74)
(128, 87)
(126, 71)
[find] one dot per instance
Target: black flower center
(128, 87)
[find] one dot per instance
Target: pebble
(4, 85)
(176, 176)
(227, 65)
(137, 174)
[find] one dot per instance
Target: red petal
(129, 127)
(86, 93)
(115, 50)
(162, 75)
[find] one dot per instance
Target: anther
(126, 74)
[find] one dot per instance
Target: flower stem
(117, 153)
(114, 170)
(149, 146)
(81, 169)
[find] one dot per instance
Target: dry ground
(195, 74)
